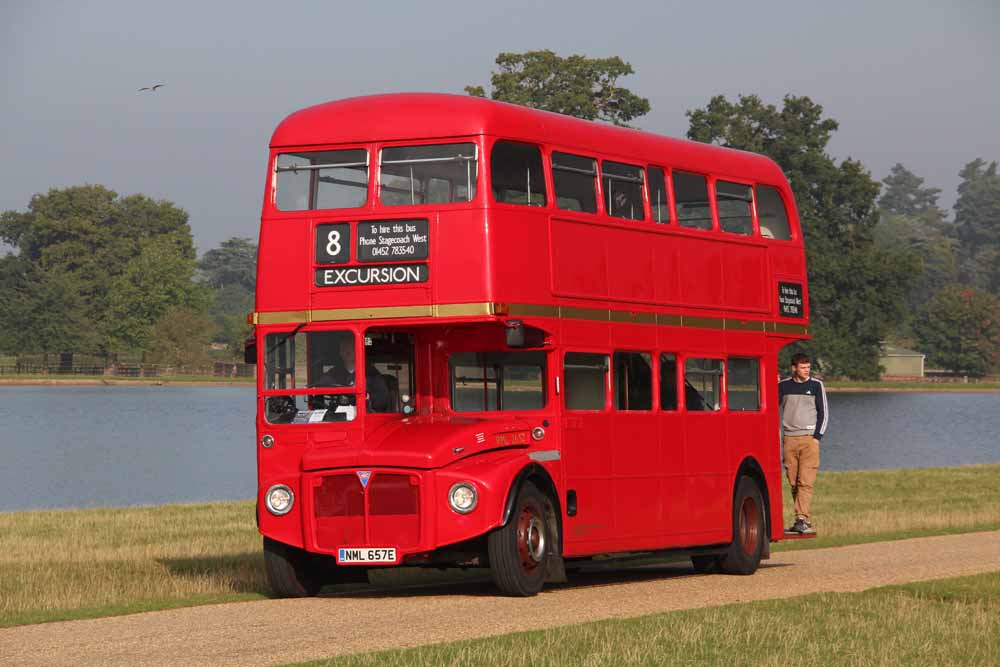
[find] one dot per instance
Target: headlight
(279, 499)
(267, 441)
(463, 497)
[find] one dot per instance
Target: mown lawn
(67, 564)
(944, 622)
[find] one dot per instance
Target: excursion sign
(388, 274)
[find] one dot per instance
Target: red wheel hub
(750, 530)
(530, 539)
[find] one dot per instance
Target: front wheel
(749, 530)
(519, 550)
(291, 572)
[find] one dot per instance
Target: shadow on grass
(240, 573)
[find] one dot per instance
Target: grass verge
(70, 564)
(943, 622)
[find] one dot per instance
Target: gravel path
(279, 631)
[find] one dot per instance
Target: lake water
(117, 446)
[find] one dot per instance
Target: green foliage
(153, 281)
(181, 338)
(977, 218)
(234, 262)
(231, 269)
(857, 289)
(960, 330)
(935, 245)
(905, 195)
(576, 86)
(86, 272)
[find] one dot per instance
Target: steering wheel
(281, 409)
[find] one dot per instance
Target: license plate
(349, 555)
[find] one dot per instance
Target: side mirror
(250, 351)
(519, 335)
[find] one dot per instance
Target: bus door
(746, 424)
(635, 448)
(674, 488)
(587, 438)
(705, 451)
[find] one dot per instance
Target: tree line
(92, 272)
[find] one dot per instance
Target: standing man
(804, 417)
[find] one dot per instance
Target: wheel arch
(537, 474)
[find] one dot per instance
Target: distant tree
(905, 194)
(576, 86)
(977, 219)
(157, 279)
(180, 338)
(857, 290)
(959, 329)
(229, 310)
(72, 247)
(42, 312)
(231, 269)
(234, 262)
(912, 221)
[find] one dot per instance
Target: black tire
(291, 572)
(705, 564)
(749, 530)
(519, 550)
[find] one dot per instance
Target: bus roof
(412, 116)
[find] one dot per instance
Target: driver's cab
(470, 369)
(321, 368)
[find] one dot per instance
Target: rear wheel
(749, 530)
(291, 572)
(518, 551)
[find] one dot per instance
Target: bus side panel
(284, 266)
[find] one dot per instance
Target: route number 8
(333, 245)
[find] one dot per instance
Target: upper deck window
(321, 179)
(622, 190)
(691, 194)
(574, 177)
(517, 175)
(433, 174)
(733, 201)
(658, 202)
(771, 214)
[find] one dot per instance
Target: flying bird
(152, 88)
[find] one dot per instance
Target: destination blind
(375, 241)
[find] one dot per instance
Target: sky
(908, 81)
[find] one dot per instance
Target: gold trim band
(489, 309)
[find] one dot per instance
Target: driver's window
(304, 361)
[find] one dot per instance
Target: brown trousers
(801, 465)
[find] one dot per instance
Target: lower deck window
(633, 381)
(743, 387)
(586, 380)
(702, 385)
(492, 381)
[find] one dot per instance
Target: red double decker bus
(490, 336)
